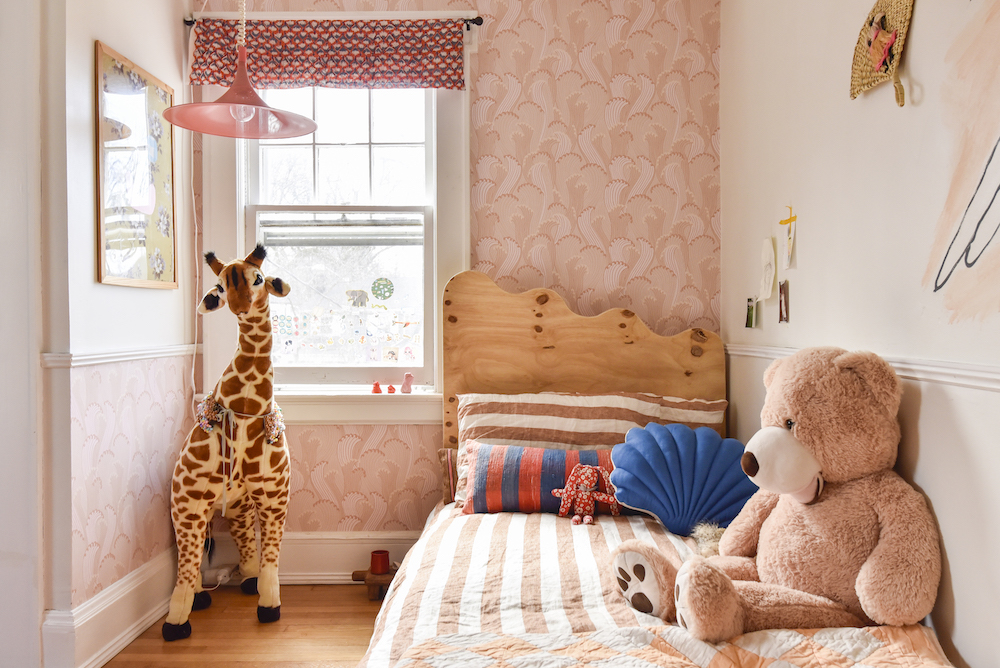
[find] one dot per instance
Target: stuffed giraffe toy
(235, 459)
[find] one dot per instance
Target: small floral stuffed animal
(582, 492)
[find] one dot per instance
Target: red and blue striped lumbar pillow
(510, 478)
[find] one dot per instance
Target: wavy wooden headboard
(496, 341)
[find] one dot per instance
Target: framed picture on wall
(136, 234)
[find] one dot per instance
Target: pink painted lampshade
(239, 113)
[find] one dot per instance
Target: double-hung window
(347, 214)
(367, 218)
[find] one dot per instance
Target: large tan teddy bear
(833, 537)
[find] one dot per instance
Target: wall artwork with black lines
(963, 265)
(979, 225)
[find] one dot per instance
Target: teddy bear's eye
(789, 424)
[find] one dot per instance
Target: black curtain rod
(189, 21)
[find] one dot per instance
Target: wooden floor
(320, 625)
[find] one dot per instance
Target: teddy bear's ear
(877, 374)
(770, 371)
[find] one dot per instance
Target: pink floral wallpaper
(596, 155)
(128, 420)
(363, 478)
(595, 149)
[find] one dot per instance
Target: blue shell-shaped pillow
(681, 476)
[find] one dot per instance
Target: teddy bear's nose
(749, 464)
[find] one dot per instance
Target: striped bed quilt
(516, 590)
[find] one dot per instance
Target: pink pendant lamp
(240, 112)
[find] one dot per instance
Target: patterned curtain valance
(335, 54)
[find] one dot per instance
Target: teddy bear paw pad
(706, 602)
(638, 586)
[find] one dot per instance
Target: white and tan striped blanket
(513, 590)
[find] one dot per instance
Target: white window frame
(223, 196)
(295, 377)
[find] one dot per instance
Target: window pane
(398, 115)
(296, 100)
(398, 175)
(342, 115)
(286, 174)
(343, 175)
(357, 297)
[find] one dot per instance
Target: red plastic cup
(380, 562)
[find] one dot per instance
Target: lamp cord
(241, 37)
(196, 293)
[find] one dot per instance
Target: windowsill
(350, 404)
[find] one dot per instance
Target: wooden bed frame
(504, 343)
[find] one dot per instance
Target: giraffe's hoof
(173, 632)
(249, 586)
(268, 615)
(202, 600)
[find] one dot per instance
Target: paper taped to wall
(767, 270)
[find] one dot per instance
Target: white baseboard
(331, 557)
(314, 557)
(89, 635)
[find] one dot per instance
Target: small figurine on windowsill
(407, 385)
(392, 390)
(376, 389)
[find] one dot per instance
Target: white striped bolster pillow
(575, 421)
(570, 421)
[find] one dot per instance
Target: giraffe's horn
(214, 262)
(256, 256)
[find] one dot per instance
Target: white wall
(869, 182)
(20, 192)
(103, 317)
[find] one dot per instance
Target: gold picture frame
(136, 204)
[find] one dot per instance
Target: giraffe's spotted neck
(247, 386)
